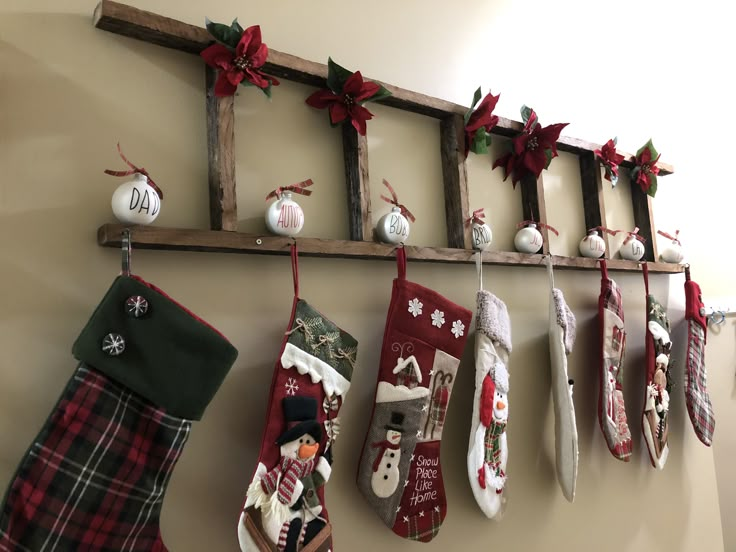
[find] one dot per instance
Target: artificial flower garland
(239, 55)
(645, 169)
(479, 123)
(610, 160)
(345, 95)
(532, 150)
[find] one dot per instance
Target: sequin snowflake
(415, 307)
(438, 318)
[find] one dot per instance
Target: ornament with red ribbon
(632, 248)
(394, 200)
(528, 239)
(672, 252)
(135, 170)
(298, 188)
(593, 245)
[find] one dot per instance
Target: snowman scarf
(382, 446)
(284, 477)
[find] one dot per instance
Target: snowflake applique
(291, 387)
(438, 318)
(421, 514)
(415, 307)
(458, 329)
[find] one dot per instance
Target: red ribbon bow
(524, 223)
(634, 236)
(298, 188)
(674, 238)
(602, 229)
(135, 170)
(477, 217)
(395, 201)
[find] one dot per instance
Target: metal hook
(126, 253)
(717, 317)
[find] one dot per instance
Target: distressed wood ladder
(223, 237)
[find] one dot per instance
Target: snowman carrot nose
(500, 405)
(307, 451)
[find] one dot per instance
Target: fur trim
(501, 377)
(494, 481)
(493, 319)
(565, 319)
(323, 468)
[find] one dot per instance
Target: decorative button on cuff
(113, 344)
(136, 306)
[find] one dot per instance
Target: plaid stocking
(285, 504)
(655, 418)
(697, 399)
(611, 410)
(488, 449)
(561, 340)
(399, 473)
(94, 478)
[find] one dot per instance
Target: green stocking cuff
(156, 348)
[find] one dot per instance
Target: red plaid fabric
(95, 477)
(698, 401)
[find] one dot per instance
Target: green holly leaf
(548, 155)
(652, 191)
(235, 26)
(224, 34)
(615, 140)
(382, 93)
(336, 76)
(479, 145)
(649, 145)
(488, 138)
(614, 180)
(267, 90)
(526, 112)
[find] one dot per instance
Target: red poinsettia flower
(250, 55)
(347, 104)
(532, 150)
(483, 118)
(646, 169)
(610, 159)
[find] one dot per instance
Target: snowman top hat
(300, 414)
(397, 418)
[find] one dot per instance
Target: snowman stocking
(95, 477)
(611, 410)
(655, 419)
(487, 450)
(561, 340)
(399, 473)
(696, 394)
(285, 505)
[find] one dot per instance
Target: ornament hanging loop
(298, 188)
(126, 253)
(394, 200)
(135, 170)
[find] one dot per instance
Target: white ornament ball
(592, 245)
(284, 217)
(672, 253)
(528, 239)
(136, 202)
(482, 236)
(392, 227)
(633, 250)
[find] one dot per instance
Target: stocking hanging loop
(295, 268)
(604, 268)
(126, 251)
(479, 269)
(401, 261)
(645, 268)
(550, 273)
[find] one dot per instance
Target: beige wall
(70, 92)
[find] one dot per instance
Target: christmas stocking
(696, 394)
(487, 450)
(561, 340)
(285, 504)
(611, 410)
(94, 478)
(655, 419)
(399, 472)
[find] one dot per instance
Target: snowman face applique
(500, 406)
(393, 436)
(303, 448)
